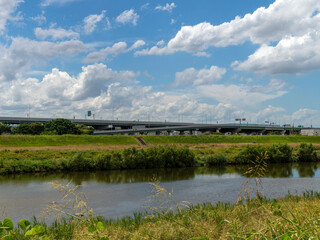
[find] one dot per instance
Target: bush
(5, 128)
(85, 130)
(62, 126)
(80, 163)
(250, 154)
(216, 159)
(29, 129)
(280, 153)
(306, 153)
(103, 162)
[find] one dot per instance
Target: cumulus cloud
(192, 77)
(101, 89)
(91, 21)
(55, 33)
(241, 95)
(116, 49)
(17, 59)
(7, 8)
(128, 16)
(168, 7)
(280, 19)
(290, 55)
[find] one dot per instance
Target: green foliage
(29, 129)
(62, 126)
(215, 159)
(5, 128)
(306, 153)
(80, 163)
(249, 154)
(85, 130)
(278, 153)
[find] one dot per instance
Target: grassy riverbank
(64, 140)
(25, 141)
(30, 161)
(292, 217)
(203, 139)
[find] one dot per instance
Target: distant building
(310, 132)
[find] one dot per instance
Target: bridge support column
(238, 130)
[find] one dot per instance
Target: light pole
(240, 119)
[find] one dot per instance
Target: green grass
(119, 140)
(192, 139)
(63, 140)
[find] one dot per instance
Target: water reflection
(301, 170)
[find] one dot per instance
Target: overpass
(113, 127)
(255, 129)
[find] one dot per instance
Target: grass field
(88, 142)
(64, 140)
(202, 139)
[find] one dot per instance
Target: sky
(205, 61)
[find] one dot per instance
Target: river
(115, 194)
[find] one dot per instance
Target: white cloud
(101, 89)
(168, 7)
(55, 33)
(23, 53)
(137, 44)
(192, 77)
(290, 55)
(280, 19)
(91, 21)
(160, 43)
(128, 16)
(116, 49)
(145, 6)
(40, 18)
(7, 8)
(46, 3)
(241, 95)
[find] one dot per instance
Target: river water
(115, 194)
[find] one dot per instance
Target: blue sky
(161, 60)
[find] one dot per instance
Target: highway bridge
(113, 127)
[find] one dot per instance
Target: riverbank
(52, 160)
(292, 217)
(121, 141)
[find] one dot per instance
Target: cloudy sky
(179, 60)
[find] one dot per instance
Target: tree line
(58, 126)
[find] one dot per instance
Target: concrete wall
(310, 132)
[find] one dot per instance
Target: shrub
(5, 128)
(250, 154)
(306, 153)
(29, 129)
(103, 162)
(280, 153)
(80, 163)
(216, 159)
(85, 130)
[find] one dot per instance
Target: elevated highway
(112, 127)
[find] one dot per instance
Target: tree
(61, 126)
(5, 128)
(29, 129)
